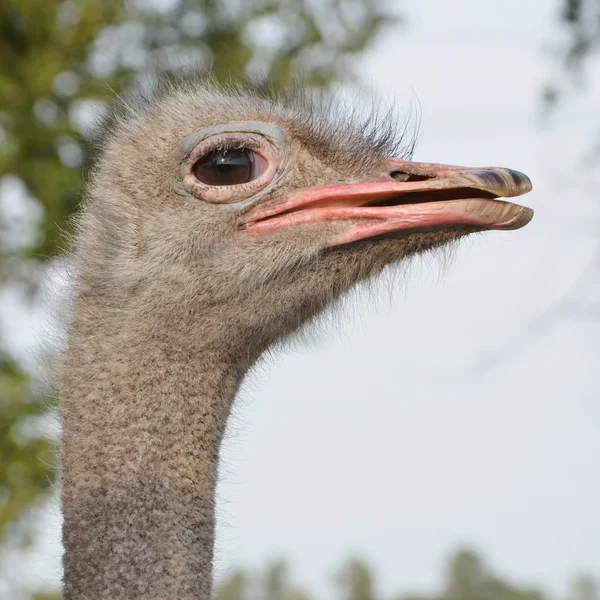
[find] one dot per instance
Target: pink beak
(407, 196)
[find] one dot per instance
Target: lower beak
(406, 196)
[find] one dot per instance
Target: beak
(406, 196)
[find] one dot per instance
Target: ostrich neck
(145, 400)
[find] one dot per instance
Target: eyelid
(267, 161)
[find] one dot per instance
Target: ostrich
(215, 224)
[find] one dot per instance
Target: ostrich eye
(229, 167)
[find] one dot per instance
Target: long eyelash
(233, 144)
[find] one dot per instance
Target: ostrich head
(209, 197)
(216, 223)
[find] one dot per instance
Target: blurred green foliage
(26, 456)
(467, 577)
(355, 581)
(60, 61)
(579, 21)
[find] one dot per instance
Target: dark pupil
(225, 167)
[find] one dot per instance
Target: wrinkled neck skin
(145, 399)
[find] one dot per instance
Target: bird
(216, 222)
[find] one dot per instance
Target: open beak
(407, 196)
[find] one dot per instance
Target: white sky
(384, 441)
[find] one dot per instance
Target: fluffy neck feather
(145, 399)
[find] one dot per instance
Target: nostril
(408, 177)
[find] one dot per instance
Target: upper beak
(406, 195)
